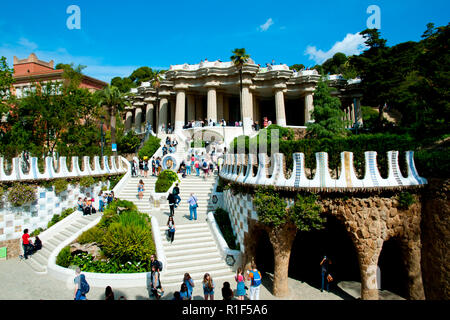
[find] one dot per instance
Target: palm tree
(239, 58)
(156, 84)
(114, 101)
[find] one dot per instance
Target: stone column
(180, 110)
(255, 109)
(128, 120)
(279, 108)
(411, 252)
(199, 108)
(190, 107)
(138, 119)
(149, 114)
(352, 114)
(358, 112)
(172, 113)
(212, 104)
(309, 107)
(226, 108)
(163, 106)
(219, 106)
(246, 112)
(368, 251)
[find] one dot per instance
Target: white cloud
(351, 45)
(266, 25)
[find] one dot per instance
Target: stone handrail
(17, 174)
(236, 169)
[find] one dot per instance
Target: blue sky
(117, 37)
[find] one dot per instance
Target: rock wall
(436, 240)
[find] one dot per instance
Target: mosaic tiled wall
(13, 220)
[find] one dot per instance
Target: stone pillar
(163, 108)
(309, 107)
(138, 119)
(219, 106)
(255, 109)
(180, 110)
(149, 114)
(172, 113)
(411, 252)
(352, 114)
(368, 251)
(358, 112)
(190, 107)
(279, 108)
(128, 120)
(246, 112)
(212, 104)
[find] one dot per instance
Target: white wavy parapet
(110, 165)
(237, 169)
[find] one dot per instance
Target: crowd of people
(86, 204)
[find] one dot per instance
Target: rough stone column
(309, 107)
(279, 108)
(163, 105)
(411, 257)
(212, 104)
(149, 114)
(246, 111)
(368, 251)
(128, 120)
(180, 110)
(138, 119)
(190, 107)
(219, 106)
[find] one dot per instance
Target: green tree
(327, 114)
(142, 74)
(6, 81)
(124, 84)
(239, 58)
(297, 67)
(114, 101)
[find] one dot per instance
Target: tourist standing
(27, 244)
(156, 263)
(189, 282)
(227, 293)
(141, 189)
(240, 290)
(197, 168)
(325, 264)
(255, 277)
(153, 166)
(176, 192)
(156, 287)
(81, 285)
(172, 200)
(208, 287)
(145, 168)
(193, 205)
(188, 166)
(171, 229)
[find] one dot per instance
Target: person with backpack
(197, 168)
(156, 287)
(325, 264)
(205, 168)
(193, 205)
(81, 285)
(171, 229)
(176, 192)
(156, 263)
(255, 277)
(172, 201)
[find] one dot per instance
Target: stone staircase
(38, 261)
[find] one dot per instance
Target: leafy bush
(149, 147)
(60, 185)
(86, 262)
(113, 180)
(20, 194)
(94, 234)
(36, 232)
(128, 143)
(165, 180)
(64, 258)
(58, 217)
(270, 207)
(86, 182)
(224, 223)
(128, 242)
(405, 200)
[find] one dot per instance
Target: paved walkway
(19, 282)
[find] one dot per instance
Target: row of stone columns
(353, 113)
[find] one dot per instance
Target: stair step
(186, 252)
(192, 257)
(35, 266)
(60, 237)
(193, 263)
(186, 239)
(39, 258)
(72, 229)
(170, 278)
(66, 233)
(53, 242)
(189, 235)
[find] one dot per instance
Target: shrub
(149, 147)
(114, 180)
(20, 194)
(128, 143)
(165, 180)
(64, 258)
(60, 185)
(86, 182)
(36, 232)
(128, 243)
(94, 234)
(405, 200)
(58, 217)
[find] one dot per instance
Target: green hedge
(149, 147)
(165, 180)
